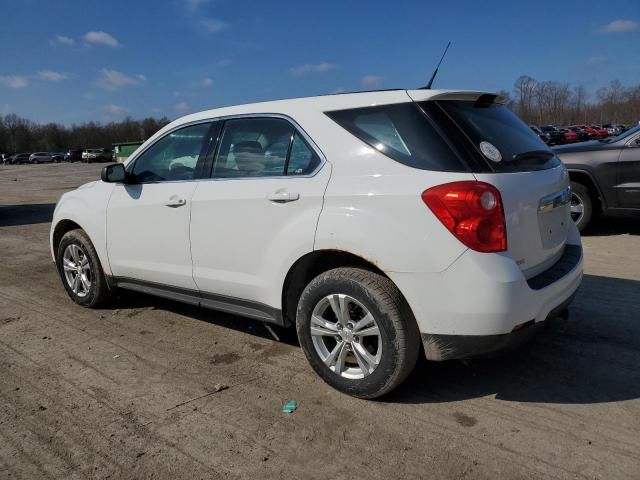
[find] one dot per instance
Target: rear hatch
(504, 152)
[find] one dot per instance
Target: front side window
(173, 157)
(262, 147)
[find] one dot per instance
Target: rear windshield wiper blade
(541, 154)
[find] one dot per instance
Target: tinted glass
(173, 157)
(302, 159)
(253, 147)
(496, 124)
(402, 132)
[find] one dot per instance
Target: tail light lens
(472, 211)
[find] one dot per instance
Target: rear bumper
(447, 347)
(483, 302)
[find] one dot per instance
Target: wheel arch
(63, 226)
(309, 266)
(585, 178)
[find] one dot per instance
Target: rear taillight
(472, 211)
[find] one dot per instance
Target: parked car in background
(45, 157)
(19, 158)
(601, 131)
(554, 135)
(295, 219)
(605, 176)
(569, 135)
(582, 134)
(540, 133)
(73, 155)
(612, 130)
(591, 132)
(96, 155)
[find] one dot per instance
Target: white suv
(374, 222)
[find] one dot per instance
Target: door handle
(175, 201)
(280, 196)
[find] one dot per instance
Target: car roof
(338, 101)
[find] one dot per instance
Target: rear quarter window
(485, 121)
(403, 133)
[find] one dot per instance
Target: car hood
(580, 147)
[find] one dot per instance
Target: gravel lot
(130, 392)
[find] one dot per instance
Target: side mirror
(113, 173)
(637, 141)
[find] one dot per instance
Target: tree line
(557, 103)
(19, 135)
(536, 102)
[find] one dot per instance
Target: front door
(628, 181)
(148, 217)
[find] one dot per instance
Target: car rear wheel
(357, 331)
(581, 205)
(80, 270)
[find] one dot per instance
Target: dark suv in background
(605, 176)
(554, 135)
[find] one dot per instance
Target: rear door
(148, 218)
(258, 212)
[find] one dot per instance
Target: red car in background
(602, 132)
(592, 132)
(569, 135)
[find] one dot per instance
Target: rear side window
(402, 132)
(513, 146)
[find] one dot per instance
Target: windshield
(505, 142)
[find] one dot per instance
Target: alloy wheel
(346, 336)
(77, 270)
(577, 207)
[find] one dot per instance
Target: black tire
(98, 292)
(580, 195)
(398, 329)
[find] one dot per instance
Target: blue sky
(78, 60)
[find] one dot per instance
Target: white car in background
(373, 222)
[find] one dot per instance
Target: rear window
(504, 141)
(401, 132)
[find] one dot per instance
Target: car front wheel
(80, 269)
(357, 331)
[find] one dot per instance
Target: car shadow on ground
(591, 357)
(14, 215)
(605, 226)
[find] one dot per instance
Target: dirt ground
(130, 391)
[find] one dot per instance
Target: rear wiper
(541, 154)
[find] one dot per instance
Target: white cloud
(338, 90)
(62, 40)
(302, 70)
(52, 76)
(194, 5)
(597, 60)
(204, 83)
(113, 79)
(100, 38)
(115, 109)
(14, 81)
(182, 108)
(213, 25)
(371, 81)
(619, 26)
